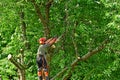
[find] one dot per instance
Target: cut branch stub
(17, 64)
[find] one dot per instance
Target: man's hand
(53, 46)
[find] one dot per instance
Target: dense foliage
(86, 23)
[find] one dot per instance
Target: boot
(47, 78)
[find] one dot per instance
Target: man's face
(42, 42)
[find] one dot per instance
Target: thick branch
(48, 5)
(41, 17)
(86, 56)
(90, 53)
(60, 73)
(45, 22)
(75, 46)
(17, 64)
(38, 12)
(47, 12)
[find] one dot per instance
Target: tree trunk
(21, 74)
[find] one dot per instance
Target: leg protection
(40, 72)
(47, 78)
(46, 74)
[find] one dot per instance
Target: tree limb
(45, 24)
(60, 73)
(90, 53)
(75, 46)
(48, 5)
(38, 12)
(45, 21)
(47, 12)
(84, 57)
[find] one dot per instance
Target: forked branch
(17, 64)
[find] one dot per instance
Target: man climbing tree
(41, 57)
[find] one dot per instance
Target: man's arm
(48, 40)
(51, 41)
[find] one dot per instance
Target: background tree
(89, 27)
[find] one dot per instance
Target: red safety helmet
(42, 40)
